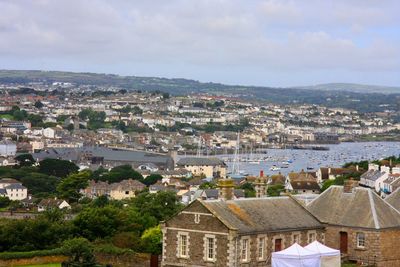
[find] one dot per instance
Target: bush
(30, 254)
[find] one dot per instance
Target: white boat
(274, 168)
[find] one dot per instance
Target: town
(69, 148)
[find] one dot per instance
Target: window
(210, 248)
(360, 240)
(261, 247)
(245, 250)
(183, 245)
(296, 238)
(126, 192)
(197, 218)
(311, 237)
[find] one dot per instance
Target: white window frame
(360, 241)
(245, 249)
(180, 247)
(298, 235)
(261, 247)
(311, 236)
(210, 240)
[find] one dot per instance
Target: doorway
(343, 242)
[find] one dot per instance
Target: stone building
(358, 222)
(240, 232)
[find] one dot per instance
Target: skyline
(263, 43)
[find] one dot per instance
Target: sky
(249, 42)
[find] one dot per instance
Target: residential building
(358, 222)
(207, 167)
(52, 203)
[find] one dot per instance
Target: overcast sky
(254, 42)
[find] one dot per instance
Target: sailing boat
(252, 160)
(236, 172)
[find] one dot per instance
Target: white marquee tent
(296, 256)
(329, 257)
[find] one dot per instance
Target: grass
(6, 116)
(44, 265)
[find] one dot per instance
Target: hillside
(331, 95)
(352, 87)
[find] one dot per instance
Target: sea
(273, 161)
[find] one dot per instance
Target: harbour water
(287, 160)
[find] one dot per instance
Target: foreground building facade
(242, 232)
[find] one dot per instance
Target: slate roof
(305, 185)
(250, 215)
(213, 193)
(128, 185)
(371, 175)
(73, 154)
(200, 161)
(362, 208)
(15, 186)
(394, 199)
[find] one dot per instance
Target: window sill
(360, 248)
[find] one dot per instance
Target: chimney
(349, 185)
(226, 187)
(261, 173)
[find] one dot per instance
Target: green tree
(4, 202)
(120, 173)
(25, 160)
(57, 167)
(20, 115)
(80, 252)
(93, 223)
(38, 104)
(69, 187)
(152, 179)
(161, 205)
(151, 240)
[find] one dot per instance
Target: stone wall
(381, 246)
(287, 241)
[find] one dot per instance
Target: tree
(35, 120)
(119, 173)
(80, 252)
(248, 190)
(57, 167)
(161, 205)
(151, 240)
(25, 160)
(4, 202)
(93, 223)
(69, 187)
(38, 104)
(165, 95)
(152, 179)
(20, 115)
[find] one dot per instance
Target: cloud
(202, 37)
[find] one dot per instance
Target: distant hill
(353, 87)
(364, 98)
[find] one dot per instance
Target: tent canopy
(295, 251)
(322, 249)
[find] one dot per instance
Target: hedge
(30, 254)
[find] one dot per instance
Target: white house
(13, 189)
